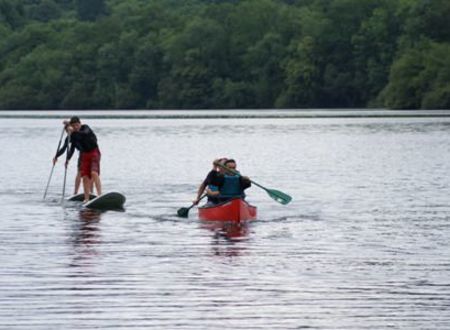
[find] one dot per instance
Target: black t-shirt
(213, 178)
(84, 140)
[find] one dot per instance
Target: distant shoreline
(222, 114)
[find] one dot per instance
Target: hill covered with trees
(127, 54)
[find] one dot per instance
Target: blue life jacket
(213, 199)
(231, 186)
(213, 187)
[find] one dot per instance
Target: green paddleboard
(108, 201)
(79, 198)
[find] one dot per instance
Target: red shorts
(90, 162)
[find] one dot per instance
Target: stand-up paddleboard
(79, 198)
(108, 201)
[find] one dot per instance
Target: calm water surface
(364, 244)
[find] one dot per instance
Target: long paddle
(65, 169)
(276, 195)
(53, 167)
(184, 211)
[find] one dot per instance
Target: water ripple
(363, 245)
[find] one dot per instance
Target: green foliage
(65, 54)
(374, 48)
(429, 19)
(12, 13)
(420, 78)
(44, 11)
(302, 75)
(90, 10)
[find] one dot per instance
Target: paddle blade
(279, 196)
(183, 212)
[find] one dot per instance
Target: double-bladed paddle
(276, 195)
(184, 211)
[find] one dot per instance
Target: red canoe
(235, 209)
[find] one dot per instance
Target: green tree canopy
(63, 54)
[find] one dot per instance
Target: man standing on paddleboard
(83, 138)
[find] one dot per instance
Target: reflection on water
(229, 230)
(89, 215)
(227, 236)
(86, 236)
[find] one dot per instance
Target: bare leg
(77, 182)
(97, 182)
(86, 187)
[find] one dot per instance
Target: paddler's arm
(61, 151)
(211, 192)
(245, 182)
(72, 145)
(71, 151)
(200, 191)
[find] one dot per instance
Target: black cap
(74, 119)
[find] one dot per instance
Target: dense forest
(204, 54)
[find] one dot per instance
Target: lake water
(363, 245)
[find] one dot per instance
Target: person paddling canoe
(211, 183)
(232, 185)
(83, 138)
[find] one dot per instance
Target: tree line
(198, 54)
